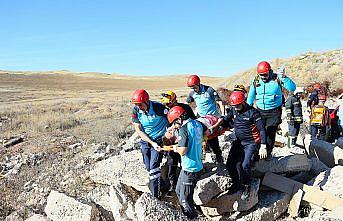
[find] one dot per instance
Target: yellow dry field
(91, 106)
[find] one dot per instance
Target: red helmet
(316, 86)
(139, 96)
(193, 80)
(263, 67)
(175, 113)
(236, 97)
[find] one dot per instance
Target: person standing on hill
(169, 99)
(313, 99)
(206, 99)
(266, 89)
(251, 139)
(294, 115)
(149, 119)
(320, 120)
(190, 136)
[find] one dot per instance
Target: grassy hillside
(305, 69)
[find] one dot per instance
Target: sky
(155, 37)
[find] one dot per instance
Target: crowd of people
(173, 129)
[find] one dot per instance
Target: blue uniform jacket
(269, 95)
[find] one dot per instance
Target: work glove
(156, 146)
(263, 151)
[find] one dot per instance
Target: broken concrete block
(330, 180)
(324, 151)
(61, 207)
(291, 163)
(227, 203)
(37, 217)
(114, 199)
(149, 208)
(272, 204)
(209, 187)
(127, 168)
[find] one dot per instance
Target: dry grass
(305, 69)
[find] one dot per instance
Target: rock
(330, 180)
(291, 163)
(62, 207)
(131, 144)
(324, 151)
(272, 204)
(14, 216)
(209, 187)
(148, 208)
(37, 217)
(114, 199)
(227, 203)
(127, 168)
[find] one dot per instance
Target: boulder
(211, 186)
(61, 207)
(326, 152)
(330, 180)
(291, 163)
(227, 203)
(149, 208)
(272, 204)
(114, 199)
(37, 217)
(127, 168)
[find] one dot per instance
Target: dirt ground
(68, 121)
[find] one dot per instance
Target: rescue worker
(251, 139)
(241, 88)
(190, 135)
(149, 119)
(206, 99)
(313, 97)
(294, 115)
(173, 159)
(266, 89)
(320, 120)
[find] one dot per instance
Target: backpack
(256, 83)
(319, 116)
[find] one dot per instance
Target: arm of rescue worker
(252, 94)
(138, 128)
(260, 126)
(288, 83)
(214, 127)
(289, 106)
(189, 111)
(214, 94)
(182, 141)
(190, 98)
(228, 120)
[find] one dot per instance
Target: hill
(305, 69)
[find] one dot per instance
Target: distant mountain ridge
(304, 69)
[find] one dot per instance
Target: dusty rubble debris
(148, 208)
(37, 217)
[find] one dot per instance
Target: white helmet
(299, 90)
